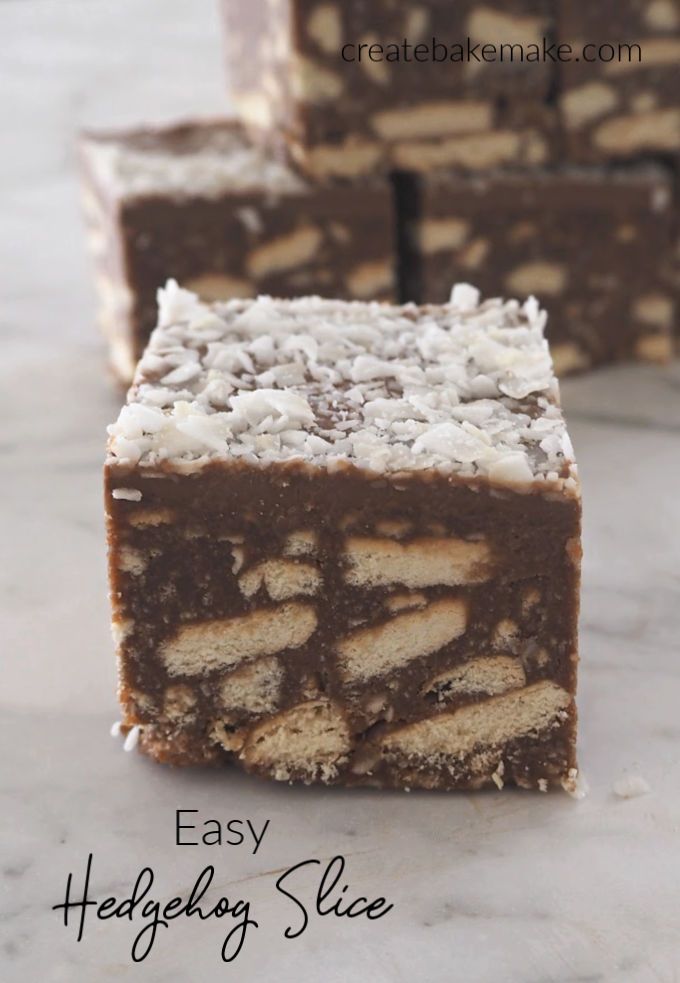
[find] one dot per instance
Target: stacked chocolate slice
(389, 150)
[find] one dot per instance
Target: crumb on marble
(631, 787)
(575, 784)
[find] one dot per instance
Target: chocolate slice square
(345, 543)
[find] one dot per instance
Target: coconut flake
(631, 787)
(512, 468)
(176, 304)
(464, 296)
(132, 738)
(280, 406)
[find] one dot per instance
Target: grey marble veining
(495, 887)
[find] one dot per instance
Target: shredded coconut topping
(466, 388)
(201, 159)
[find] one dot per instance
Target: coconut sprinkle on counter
(631, 787)
(464, 388)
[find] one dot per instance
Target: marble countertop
(511, 887)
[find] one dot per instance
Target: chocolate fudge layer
(345, 543)
(624, 103)
(230, 217)
(592, 243)
(308, 67)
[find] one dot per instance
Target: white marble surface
(507, 887)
